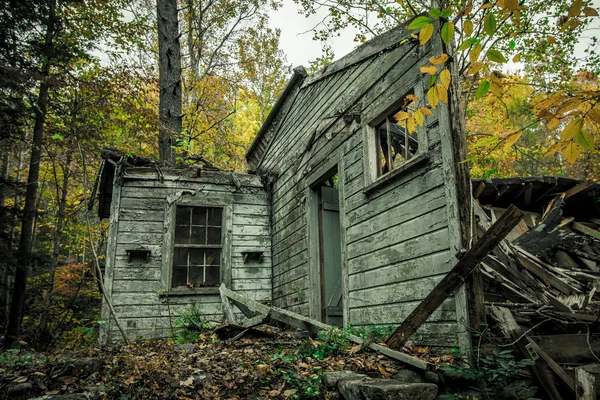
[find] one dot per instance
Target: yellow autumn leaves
(415, 119)
(573, 138)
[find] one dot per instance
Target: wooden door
(330, 256)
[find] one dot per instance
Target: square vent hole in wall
(140, 255)
(253, 256)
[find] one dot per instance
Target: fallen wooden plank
(227, 309)
(577, 189)
(586, 230)
(259, 319)
(546, 275)
(557, 369)
(306, 323)
(585, 384)
(455, 277)
(510, 328)
(570, 348)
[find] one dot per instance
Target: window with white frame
(394, 143)
(197, 246)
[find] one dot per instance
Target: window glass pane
(179, 276)
(212, 276)
(403, 146)
(180, 256)
(182, 216)
(214, 236)
(199, 216)
(196, 256)
(382, 150)
(182, 234)
(197, 275)
(198, 235)
(215, 216)
(213, 257)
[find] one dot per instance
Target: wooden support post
(476, 301)
(455, 277)
(510, 328)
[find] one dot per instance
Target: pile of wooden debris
(541, 284)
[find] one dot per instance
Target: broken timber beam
(302, 322)
(456, 276)
(511, 329)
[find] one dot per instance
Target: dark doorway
(330, 260)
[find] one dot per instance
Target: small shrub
(499, 373)
(330, 342)
(189, 324)
(305, 387)
(17, 358)
(373, 333)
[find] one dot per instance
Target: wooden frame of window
(389, 151)
(171, 245)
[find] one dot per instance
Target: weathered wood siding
(136, 288)
(396, 238)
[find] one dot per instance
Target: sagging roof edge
(297, 79)
(366, 50)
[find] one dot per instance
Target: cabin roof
(533, 194)
(300, 82)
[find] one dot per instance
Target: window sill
(391, 176)
(191, 291)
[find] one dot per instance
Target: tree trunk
(12, 236)
(4, 263)
(15, 317)
(56, 241)
(169, 63)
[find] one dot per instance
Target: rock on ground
(362, 388)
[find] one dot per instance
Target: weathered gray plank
(138, 273)
(142, 215)
(431, 221)
(249, 219)
(413, 248)
(140, 226)
(139, 239)
(422, 203)
(251, 284)
(413, 290)
(393, 314)
(242, 272)
(422, 266)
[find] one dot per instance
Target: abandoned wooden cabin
(345, 217)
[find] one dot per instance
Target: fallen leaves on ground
(266, 368)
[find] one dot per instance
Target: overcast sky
(299, 46)
(297, 43)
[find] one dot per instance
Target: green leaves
(467, 43)
(56, 136)
(585, 140)
(496, 56)
(571, 130)
(419, 22)
(482, 90)
(489, 24)
(447, 32)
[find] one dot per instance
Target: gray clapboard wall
(139, 218)
(398, 237)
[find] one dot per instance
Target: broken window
(395, 144)
(197, 247)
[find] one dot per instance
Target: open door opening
(329, 247)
